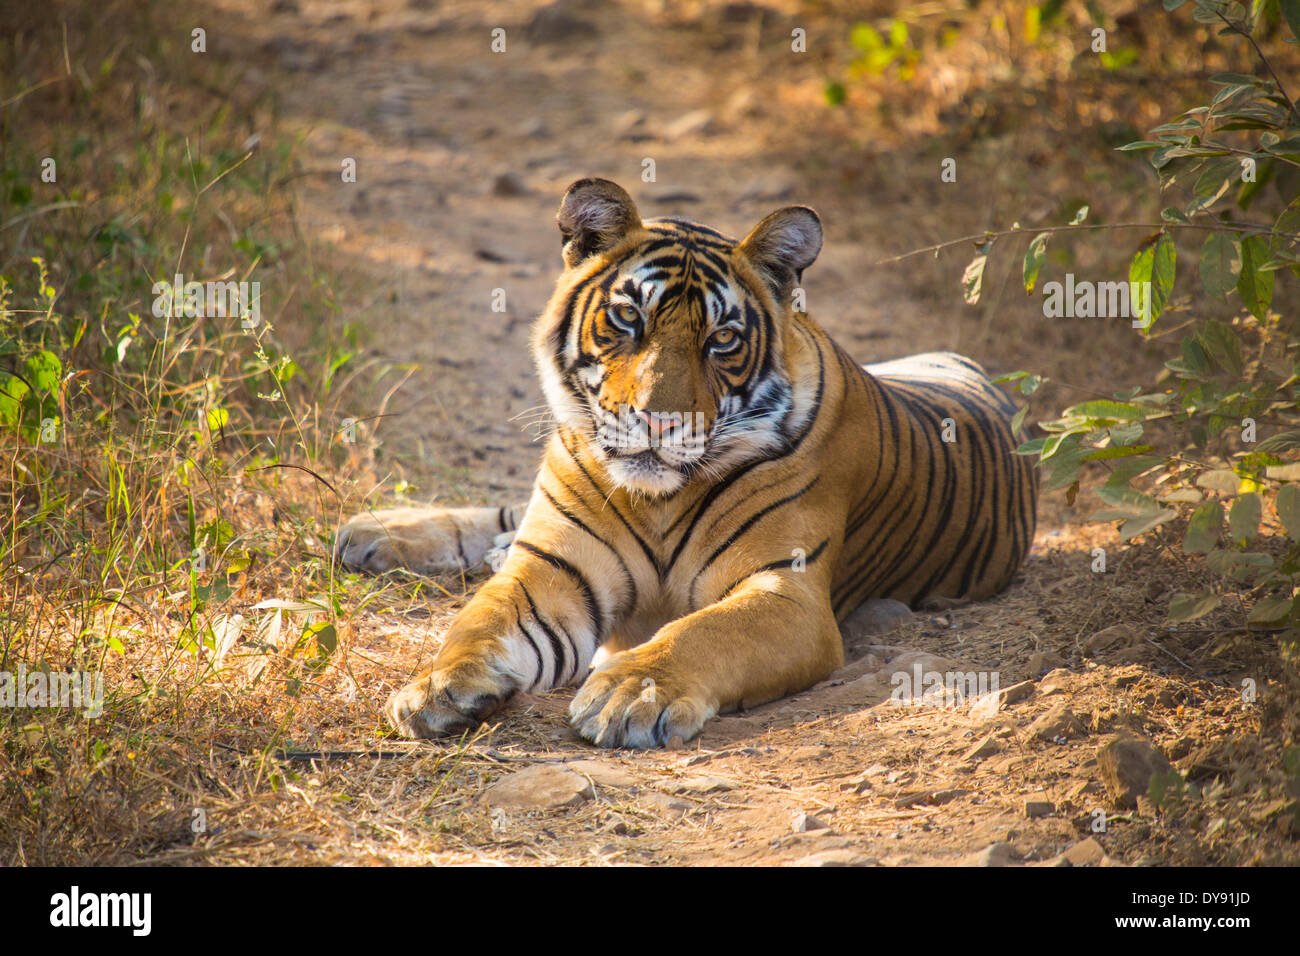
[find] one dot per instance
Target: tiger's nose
(657, 423)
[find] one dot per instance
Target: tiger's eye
(723, 338)
(625, 316)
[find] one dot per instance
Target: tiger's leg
(759, 643)
(534, 625)
(425, 540)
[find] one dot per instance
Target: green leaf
(1282, 441)
(1188, 607)
(1220, 479)
(1288, 509)
(1220, 264)
(1034, 259)
(1223, 344)
(1238, 565)
(1203, 528)
(1019, 420)
(1244, 517)
(1106, 410)
(1270, 612)
(1128, 500)
(12, 392)
(1133, 527)
(1255, 286)
(44, 371)
(327, 639)
(1079, 216)
(1153, 266)
(1123, 436)
(1065, 464)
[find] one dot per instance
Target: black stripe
(541, 666)
(588, 595)
(645, 548)
(775, 566)
(631, 581)
(735, 535)
(554, 639)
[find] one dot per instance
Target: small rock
(699, 784)
(510, 184)
(834, 858)
(671, 804)
(996, 854)
(858, 785)
(873, 618)
(603, 774)
(985, 748)
(806, 822)
(1121, 634)
(1058, 723)
(694, 123)
(540, 787)
(1126, 767)
(940, 797)
(1085, 853)
(1039, 808)
(1016, 693)
(1055, 682)
(989, 704)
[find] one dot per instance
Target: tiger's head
(663, 346)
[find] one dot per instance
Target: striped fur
(705, 568)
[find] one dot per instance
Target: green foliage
(1218, 434)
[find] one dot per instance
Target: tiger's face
(663, 346)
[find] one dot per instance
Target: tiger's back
(949, 508)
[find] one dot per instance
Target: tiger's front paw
(632, 702)
(424, 540)
(446, 702)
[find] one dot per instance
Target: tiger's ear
(783, 245)
(594, 215)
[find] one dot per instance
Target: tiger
(721, 486)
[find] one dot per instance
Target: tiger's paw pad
(623, 705)
(443, 703)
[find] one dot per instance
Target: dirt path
(461, 155)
